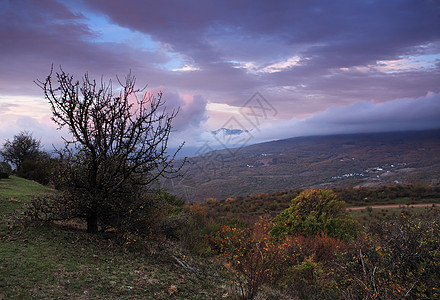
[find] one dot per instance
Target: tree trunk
(92, 222)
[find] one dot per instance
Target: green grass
(49, 262)
(15, 191)
(20, 189)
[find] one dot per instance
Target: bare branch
(120, 141)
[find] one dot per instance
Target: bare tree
(118, 145)
(22, 147)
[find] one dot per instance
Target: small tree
(313, 212)
(22, 147)
(118, 146)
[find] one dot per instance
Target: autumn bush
(189, 224)
(396, 258)
(250, 255)
(294, 252)
(307, 271)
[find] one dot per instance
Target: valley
(351, 160)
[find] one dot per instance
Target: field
(49, 262)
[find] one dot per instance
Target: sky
(272, 69)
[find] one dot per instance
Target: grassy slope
(15, 191)
(49, 262)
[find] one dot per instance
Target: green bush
(305, 278)
(313, 212)
(38, 169)
(5, 170)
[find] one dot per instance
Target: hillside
(57, 262)
(352, 160)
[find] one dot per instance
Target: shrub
(250, 255)
(5, 169)
(307, 270)
(137, 216)
(37, 169)
(305, 279)
(313, 212)
(395, 259)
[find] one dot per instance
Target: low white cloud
(47, 133)
(396, 115)
(360, 117)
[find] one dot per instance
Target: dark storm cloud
(347, 32)
(36, 34)
(327, 35)
(303, 56)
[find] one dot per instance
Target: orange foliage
(198, 209)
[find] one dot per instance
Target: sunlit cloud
(282, 65)
(255, 68)
(186, 69)
(408, 63)
(222, 107)
(403, 64)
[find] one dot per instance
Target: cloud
(330, 35)
(191, 116)
(360, 117)
(397, 115)
(191, 109)
(360, 30)
(36, 34)
(208, 43)
(186, 68)
(307, 58)
(44, 131)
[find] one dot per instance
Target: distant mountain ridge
(348, 160)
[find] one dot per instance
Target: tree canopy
(313, 212)
(118, 145)
(23, 146)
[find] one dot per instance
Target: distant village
(372, 172)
